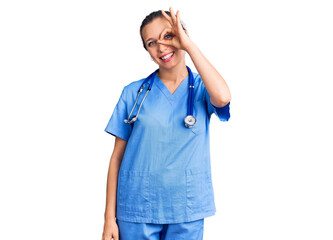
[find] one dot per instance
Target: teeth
(167, 56)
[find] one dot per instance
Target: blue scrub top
(165, 174)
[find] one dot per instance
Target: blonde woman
(159, 181)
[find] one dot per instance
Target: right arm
(110, 226)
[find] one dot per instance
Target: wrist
(189, 46)
(109, 218)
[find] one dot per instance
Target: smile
(168, 57)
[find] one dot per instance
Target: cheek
(152, 53)
(180, 53)
(153, 57)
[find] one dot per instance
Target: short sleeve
(116, 125)
(223, 113)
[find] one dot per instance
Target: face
(165, 56)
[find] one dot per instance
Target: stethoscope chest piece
(189, 121)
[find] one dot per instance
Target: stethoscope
(189, 119)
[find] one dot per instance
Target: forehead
(154, 28)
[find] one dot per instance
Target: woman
(159, 181)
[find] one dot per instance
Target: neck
(174, 75)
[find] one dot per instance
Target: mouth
(167, 57)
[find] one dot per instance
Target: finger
(173, 17)
(165, 32)
(166, 42)
(166, 16)
(178, 19)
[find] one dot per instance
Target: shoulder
(198, 81)
(134, 84)
(132, 87)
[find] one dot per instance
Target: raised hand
(176, 35)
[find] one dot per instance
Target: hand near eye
(176, 36)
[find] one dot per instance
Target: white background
(64, 64)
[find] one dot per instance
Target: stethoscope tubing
(191, 94)
(151, 78)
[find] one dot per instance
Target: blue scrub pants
(151, 231)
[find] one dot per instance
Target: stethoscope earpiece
(131, 121)
(189, 119)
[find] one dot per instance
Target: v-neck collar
(179, 92)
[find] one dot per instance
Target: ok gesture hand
(178, 37)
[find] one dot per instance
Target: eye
(168, 36)
(151, 43)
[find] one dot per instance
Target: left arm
(216, 86)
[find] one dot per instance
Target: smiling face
(165, 56)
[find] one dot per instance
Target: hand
(178, 37)
(111, 230)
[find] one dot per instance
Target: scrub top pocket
(199, 190)
(133, 191)
(196, 129)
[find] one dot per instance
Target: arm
(216, 86)
(112, 179)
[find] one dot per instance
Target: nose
(162, 47)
